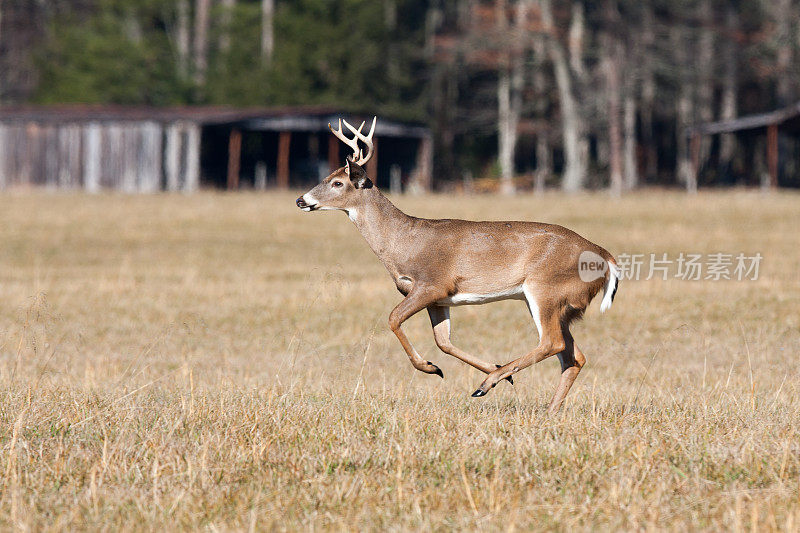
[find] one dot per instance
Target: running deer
(437, 264)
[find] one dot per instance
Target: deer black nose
(301, 203)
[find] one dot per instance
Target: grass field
(223, 362)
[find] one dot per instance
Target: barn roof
(787, 116)
(290, 118)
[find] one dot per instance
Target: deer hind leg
(572, 360)
(416, 301)
(546, 314)
(440, 321)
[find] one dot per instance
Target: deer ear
(358, 175)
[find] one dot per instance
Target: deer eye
(337, 183)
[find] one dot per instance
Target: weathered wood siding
(128, 156)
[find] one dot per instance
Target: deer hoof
(438, 370)
(510, 379)
(478, 393)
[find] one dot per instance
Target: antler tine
(352, 143)
(365, 139)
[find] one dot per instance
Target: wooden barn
(142, 149)
(770, 142)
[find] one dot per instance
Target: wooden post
(127, 158)
(92, 139)
(172, 157)
(372, 164)
(69, 150)
(694, 150)
(333, 153)
(51, 156)
(772, 155)
(31, 146)
(234, 158)
(284, 140)
(151, 157)
(193, 139)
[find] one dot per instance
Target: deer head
(343, 189)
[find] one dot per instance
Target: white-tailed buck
(437, 264)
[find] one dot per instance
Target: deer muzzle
(303, 204)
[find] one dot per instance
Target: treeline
(534, 92)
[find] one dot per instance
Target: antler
(357, 157)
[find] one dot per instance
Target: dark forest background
(526, 93)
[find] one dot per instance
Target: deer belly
(469, 298)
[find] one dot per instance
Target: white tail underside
(610, 288)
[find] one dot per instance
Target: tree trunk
(782, 10)
(182, 36)
(267, 29)
(444, 95)
(506, 137)
(611, 71)
(390, 14)
(728, 109)
(704, 104)
(576, 33)
(133, 30)
(631, 165)
(509, 96)
(610, 64)
(226, 18)
(576, 146)
(686, 173)
(544, 162)
(648, 95)
(631, 53)
(394, 70)
(201, 40)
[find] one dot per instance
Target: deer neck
(382, 225)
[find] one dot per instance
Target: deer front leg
(440, 321)
(417, 300)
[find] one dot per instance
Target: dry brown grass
(223, 362)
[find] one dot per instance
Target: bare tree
(704, 69)
(781, 14)
(544, 161)
(648, 92)
(182, 35)
(612, 57)
(629, 121)
(729, 85)
(226, 18)
(684, 110)
(575, 40)
(201, 15)
(509, 91)
(576, 145)
(633, 56)
(267, 30)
